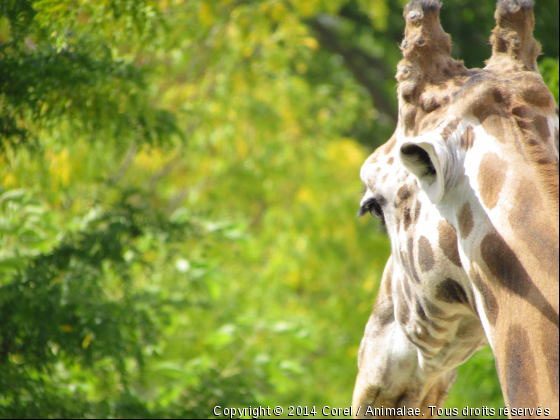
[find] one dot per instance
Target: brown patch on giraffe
(403, 200)
(547, 169)
(491, 178)
(409, 120)
(467, 139)
(451, 291)
(533, 227)
(504, 264)
(417, 208)
(541, 127)
(402, 194)
(383, 310)
(451, 318)
(483, 96)
(430, 101)
(424, 336)
(538, 148)
(425, 254)
(498, 126)
(465, 220)
(436, 327)
(373, 158)
(390, 161)
(385, 316)
(549, 347)
(432, 310)
(408, 261)
(448, 242)
(385, 177)
(428, 354)
(510, 274)
(488, 99)
(387, 147)
(429, 122)
(411, 267)
(420, 311)
(491, 308)
(435, 312)
(520, 379)
(403, 313)
(450, 128)
(406, 287)
(524, 113)
(532, 89)
(378, 169)
(542, 156)
(468, 329)
(407, 220)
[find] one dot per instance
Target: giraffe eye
(373, 207)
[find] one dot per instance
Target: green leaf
(12, 263)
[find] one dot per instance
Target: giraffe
(468, 189)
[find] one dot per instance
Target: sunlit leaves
(67, 71)
(182, 235)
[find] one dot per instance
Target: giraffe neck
(506, 216)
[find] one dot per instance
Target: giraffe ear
(425, 160)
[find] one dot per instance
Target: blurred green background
(178, 187)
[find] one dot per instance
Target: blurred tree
(178, 184)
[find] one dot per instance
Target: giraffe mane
(545, 161)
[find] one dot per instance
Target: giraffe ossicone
(468, 188)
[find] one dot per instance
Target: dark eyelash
(362, 211)
(372, 206)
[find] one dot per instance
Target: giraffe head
(424, 322)
(468, 189)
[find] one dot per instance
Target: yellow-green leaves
(378, 12)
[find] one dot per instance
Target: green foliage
(178, 187)
(58, 68)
